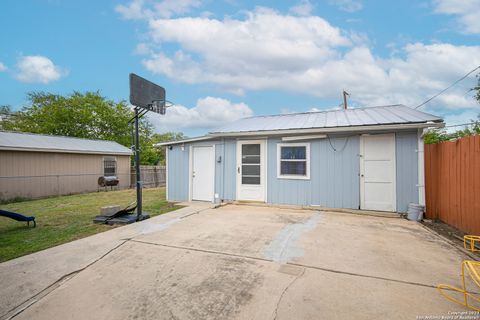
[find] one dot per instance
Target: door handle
(238, 169)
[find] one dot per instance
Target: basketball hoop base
(125, 219)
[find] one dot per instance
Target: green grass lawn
(66, 218)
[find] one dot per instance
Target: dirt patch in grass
(66, 218)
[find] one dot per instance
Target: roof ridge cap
(322, 111)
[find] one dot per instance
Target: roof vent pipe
(345, 94)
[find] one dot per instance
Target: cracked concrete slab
(244, 230)
(319, 294)
(143, 281)
(284, 246)
(214, 265)
(381, 247)
(25, 277)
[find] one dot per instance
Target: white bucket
(415, 212)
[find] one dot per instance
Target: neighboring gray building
(369, 158)
(35, 165)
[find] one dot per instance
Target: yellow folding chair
(473, 270)
(471, 240)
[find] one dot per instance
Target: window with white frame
(293, 160)
(109, 166)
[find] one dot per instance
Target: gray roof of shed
(46, 143)
(372, 116)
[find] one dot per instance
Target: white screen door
(377, 172)
(203, 172)
(251, 170)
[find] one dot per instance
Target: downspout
(223, 171)
(421, 167)
(166, 172)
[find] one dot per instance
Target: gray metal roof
(360, 117)
(45, 143)
(186, 140)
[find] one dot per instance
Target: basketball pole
(137, 166)
(145, 96)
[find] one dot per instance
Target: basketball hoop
(145, 96)
(160, 106)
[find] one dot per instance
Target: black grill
(110, 181)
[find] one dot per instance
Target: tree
(439, 135)
(5, 117)
(82, 115)
(435, 136)
(163, 137)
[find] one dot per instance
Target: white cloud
(148, 9)
(209, 112)
(37, 69)
(347, 5)
(466, 11)
(267, 50)
(168, 8)
(304, 8)
(133, 11)
(315, 109)
(243, 54)
(2, 67)
(142, 49)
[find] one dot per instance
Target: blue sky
(222, 60)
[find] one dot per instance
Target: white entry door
(251, 179)
(377, 172)
(203, 173)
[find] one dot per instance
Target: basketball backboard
(146, 94)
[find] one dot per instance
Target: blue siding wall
(178, 170)
(219, 180)
(178, 173)
(407, 169)
(230, 171)
(334, 175)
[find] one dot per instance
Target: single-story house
(364, 158)
(35, 165)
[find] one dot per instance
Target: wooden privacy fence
(452, 183)
(152, 176)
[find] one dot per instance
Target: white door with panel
(203, 173)
(251, 177)
(377, 172)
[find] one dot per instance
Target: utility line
(450, 86)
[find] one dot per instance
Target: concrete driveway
(239, 262)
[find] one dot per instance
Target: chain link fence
(16, 187)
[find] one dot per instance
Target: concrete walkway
(239, 262)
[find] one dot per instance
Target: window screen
(109, 167)
(251, 164)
